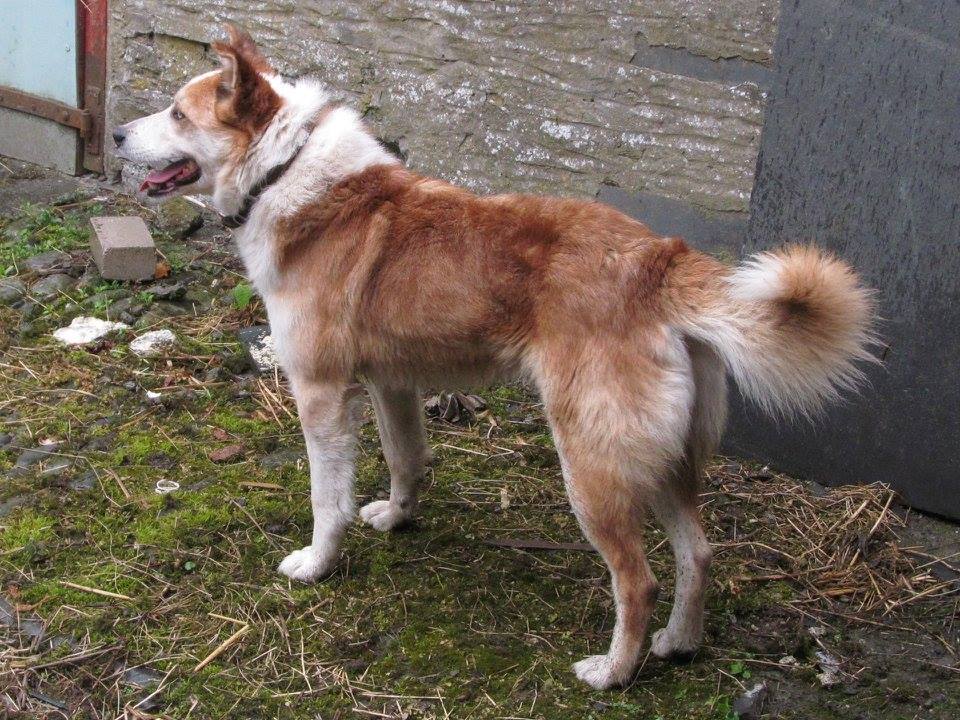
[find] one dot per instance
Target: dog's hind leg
(675, 506)
(611, 516)
(404, 442)
(620, 412)
(676, 509)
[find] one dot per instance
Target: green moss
(136, 446)
(25, 528)
(192, 526)
(44, 229)
(239, 425)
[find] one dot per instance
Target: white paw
(380, 514)
(600, 672)
(667, 647)
(308, 564)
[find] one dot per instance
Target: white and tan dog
(626, 335)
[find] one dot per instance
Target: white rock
(264, 354)
(830, 667)
(85, 330)
(153, 342)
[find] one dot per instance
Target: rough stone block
(122, 248)
(594, 98)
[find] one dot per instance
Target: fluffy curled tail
(790, 325)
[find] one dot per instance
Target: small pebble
(153, 343)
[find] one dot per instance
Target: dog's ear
(241, 41)
(229, 69)
(244, 97)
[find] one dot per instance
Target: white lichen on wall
(538, 96)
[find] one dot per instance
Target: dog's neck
(274, 174)
(278, 143)
(337, 146)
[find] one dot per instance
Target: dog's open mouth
(162, 182)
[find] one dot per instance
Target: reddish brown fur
(408, 280)
(485, 278)
(196, 101)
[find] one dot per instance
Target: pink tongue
(158, 177)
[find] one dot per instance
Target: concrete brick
(122, 248)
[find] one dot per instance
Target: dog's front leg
(400, 420)
(328, 417)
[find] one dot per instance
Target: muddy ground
(839, 602)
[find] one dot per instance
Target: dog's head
(198, 143)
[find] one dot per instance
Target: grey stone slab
(86, 481)
(141, 677)
(11, 504)
(179, 217)
(31, 457)
(860, 154)
(166, 290)
(160, 311)
(122, 248)
(52, 261)
(29, 625)
(51, 286)
(11, 290)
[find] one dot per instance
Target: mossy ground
(431, 622)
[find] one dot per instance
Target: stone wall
(657, 99)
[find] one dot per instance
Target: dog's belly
(307, 348)
(439, 366)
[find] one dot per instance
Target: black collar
(274, 174)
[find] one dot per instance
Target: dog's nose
(118, 135)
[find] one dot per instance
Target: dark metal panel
(861, 153)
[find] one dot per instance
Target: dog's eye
(176, 114)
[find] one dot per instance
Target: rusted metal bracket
(49, 109)
(92, 76)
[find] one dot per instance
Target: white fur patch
(758, 279)
(790, 326)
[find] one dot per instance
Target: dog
(626, 335)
